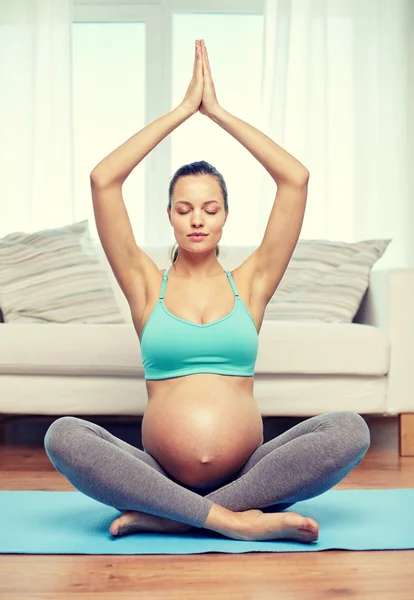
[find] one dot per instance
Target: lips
(197, 235)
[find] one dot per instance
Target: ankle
(223, 520)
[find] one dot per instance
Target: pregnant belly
(202, 438)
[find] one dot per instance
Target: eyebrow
(189, 203)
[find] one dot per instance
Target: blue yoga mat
(38, 522)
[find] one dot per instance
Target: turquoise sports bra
(173, 347)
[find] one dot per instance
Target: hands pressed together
(201, 94)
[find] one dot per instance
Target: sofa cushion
(114, 350)
(325, 281)
(54, 276)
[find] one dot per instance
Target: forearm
(118, 165)
(281, 165)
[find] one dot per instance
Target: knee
(354, 430)
(58, 433)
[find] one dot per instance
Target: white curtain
(36, 129)
(337, 94)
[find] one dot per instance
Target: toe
(114, 528)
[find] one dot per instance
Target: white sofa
(302, 369)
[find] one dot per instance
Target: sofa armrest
(388, 304)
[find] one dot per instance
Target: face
(197, 205)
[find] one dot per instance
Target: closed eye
(184, 213)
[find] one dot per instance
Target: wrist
(216, 112)
(185, 111)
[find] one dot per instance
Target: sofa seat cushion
(305, 347)
(114, 350)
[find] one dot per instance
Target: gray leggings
(301, 463)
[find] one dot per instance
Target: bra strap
(232, 283)
(165, 279)
(164, 283)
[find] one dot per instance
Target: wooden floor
(370, 575)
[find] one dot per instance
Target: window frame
(158, 18)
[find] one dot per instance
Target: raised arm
(116, 167)
(270, 259)
(132, 267)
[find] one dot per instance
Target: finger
(200, 61)
(197, 62)
(195, 59)
(205, 58)
(199, 55)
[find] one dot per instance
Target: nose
(196, 220)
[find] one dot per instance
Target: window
(108, 108)
(234, 44)
(132, 63)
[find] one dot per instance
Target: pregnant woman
(205, 464)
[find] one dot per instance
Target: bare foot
(132, 521)
(277, 526)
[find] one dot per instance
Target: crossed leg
(301, 463)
